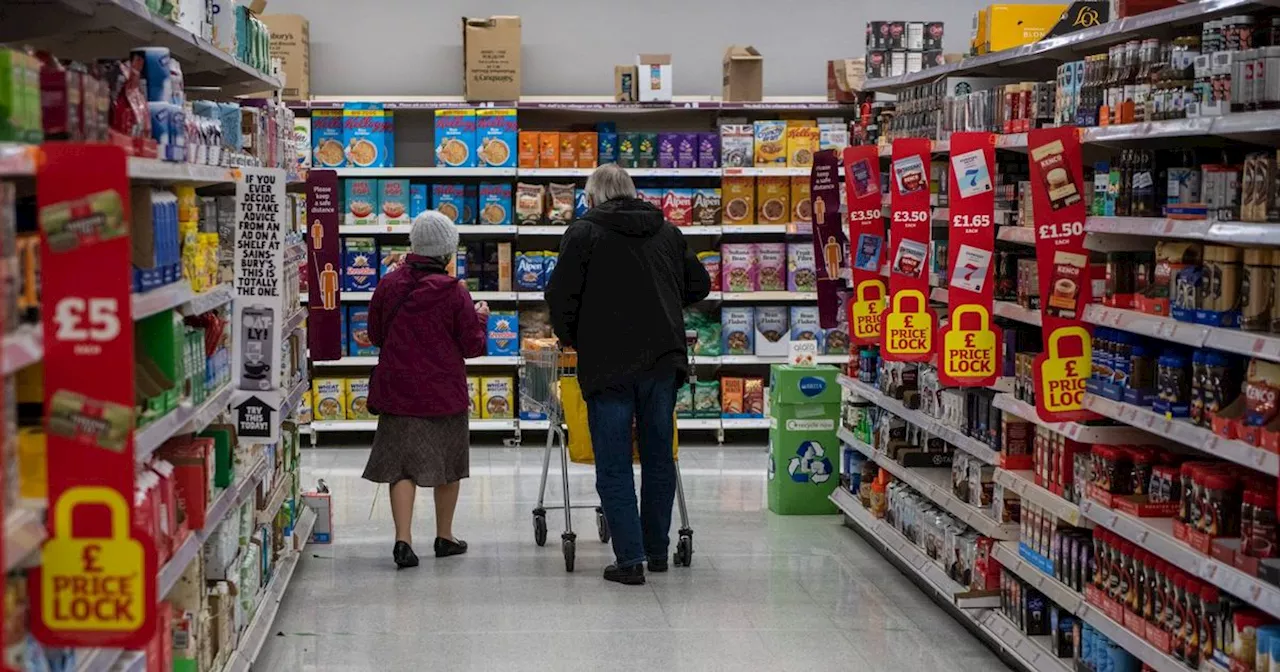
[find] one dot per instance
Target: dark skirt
(427, 451)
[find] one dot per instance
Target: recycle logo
(810, 465)
(773, 468)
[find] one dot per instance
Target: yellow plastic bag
(575, 419)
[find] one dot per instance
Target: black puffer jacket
(619, 291)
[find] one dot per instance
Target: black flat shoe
(658, 563)
(404, 556)
(446, 547)
(629, 576)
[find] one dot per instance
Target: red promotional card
(908, 324)
(324, 266)
(95, 586)
(866, 242)
(1057, 199)
(970, 342)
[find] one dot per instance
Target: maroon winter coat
(420, 369)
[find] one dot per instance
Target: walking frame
(546, 365)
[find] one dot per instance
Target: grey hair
(608, 182)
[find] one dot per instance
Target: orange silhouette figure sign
(329, 287)
(317, 236)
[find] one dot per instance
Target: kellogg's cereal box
(738, 194)
(360, 264)
(362, 201)
(473, 397)
(528, 149)
(503, 334)
(737, 330)
(771, 143)
(329, 396)
(393, 202)
(327, 146)
(587, 147)
(496, 398)
(448, 199)
(392, 256)
(677, 206)
(739, 267)
(737, 145)
(651, 196)
(706, 207)
(529, 271)
(368, 132)
(771, 265)
(801, 204)
(357, 390)
(496, 135)
(802, 142)
(495, 203)
(358, 341)
(773, 199)
(470, 196)
(418, 200)
(456, 138)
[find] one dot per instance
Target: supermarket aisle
(764, 592)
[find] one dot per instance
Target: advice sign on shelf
(324, 264)
(95, 586)
(1057, 199)
(971, 340)
(907, 332)
(866, 242)
(830, 247)
(259, 303)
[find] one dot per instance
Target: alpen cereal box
(359, 264)
(327, 147)
(368, 132)
(770, 143)
(495, 203)
(329, 398)
(448, 199)
(393, 202)
(496, 137)
(358, 399)
(503, 334)
(529, 277)
(496, 398)
(362, 201)
(455, 138)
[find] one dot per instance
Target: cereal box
(801, 205)
(496, 135)
(362, 201)
(773, 199)
(802, 268)
(706, 399)
(342, 326)
(549, 261)
(651, 196)
(359, 264)
(393, 202)
(667, 149)
(739, 268)
(528, 149)
(628, 149)
(329, 396)
(357, 390)
(738, 194)
(606, 147)
(368, 134)
(686, 150)
(304, 408)
(737, 330)
(710, 261)
(392, 257)
(731, 397)
(456, 138)
(548, 149)
(770, 143)
(496, 401)
(802, 142)
(473, 397)
(568, 150)
(495, 203)
(737, 145)
(529, 271)
(771, 265)
(448, 199)
(833, 134)
(470, 196)
(772, 331)
(706, 207)
(708, 150)
(805, 325)
(646, 150)
(836, 339)
(503, 334)
(358, 342)
(753, 397)
(580, 203)
(588, 145)
(418, 200)
(327, 146)
(677, 206)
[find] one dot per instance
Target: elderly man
(617, 296)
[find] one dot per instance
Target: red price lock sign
(1057, 198)
(970, 341)
(908, 326)
(95, 586)
(863, 203)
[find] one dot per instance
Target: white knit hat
(433, 235)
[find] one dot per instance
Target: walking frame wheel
(602, 526)
(569, 545)
(540, 527)
(683, 556)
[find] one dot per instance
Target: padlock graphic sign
(94, 584)
(969, 345)
(908, 334)
(1061, 385)
(865, 311)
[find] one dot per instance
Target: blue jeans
(651, 403)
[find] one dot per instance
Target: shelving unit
(929, 424)
(1024, 484)
(1108, 435)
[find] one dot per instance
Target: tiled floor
(764, 592)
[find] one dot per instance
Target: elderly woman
(618, 296)
(424, 324)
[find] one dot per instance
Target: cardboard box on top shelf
(845, 78)
(491, 58)
(654, 78)
(1089, 13)
(624, 84)
(743, 73)
(291, 43)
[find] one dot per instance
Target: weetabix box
(456, 138)
(496, 137)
